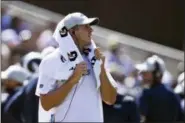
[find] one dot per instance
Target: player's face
(147, 77)
(83, 34)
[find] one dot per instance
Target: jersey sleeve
(45, 82)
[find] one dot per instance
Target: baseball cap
(15, 72)
(31, 61)
(149, 64)
(78, 18)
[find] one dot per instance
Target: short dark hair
(75, 27)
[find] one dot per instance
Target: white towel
(69, 50)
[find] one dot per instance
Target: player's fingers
(83, 62)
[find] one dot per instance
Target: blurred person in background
(10, 37)
(125, 110)
(45, 39)
(167, 79)
(6, 19)
(18, 24)
(179, 89)
(23, 106)
(120, 64)
(129, 112)
(25, 45)
(180, 67)
(14, 41)
(31, 62)
(122, 69)
(12, 80)
(5, 56)
(16, 69)
(157, 103)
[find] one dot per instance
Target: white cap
(149, 64)
(30, 57)
(15, 72)
(180, 84)
(78, 18)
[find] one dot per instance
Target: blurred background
(136, 29)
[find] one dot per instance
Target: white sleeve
(45, 84)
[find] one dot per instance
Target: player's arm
(56, 97)
(108, 91)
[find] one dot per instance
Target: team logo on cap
(63, 32)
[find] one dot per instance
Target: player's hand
(99, 55)
(80, 69)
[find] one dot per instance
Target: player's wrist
(74, 79)
(103, 66)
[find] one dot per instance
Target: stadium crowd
(138, 98)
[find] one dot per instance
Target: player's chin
(88, 41)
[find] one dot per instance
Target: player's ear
(72, 32)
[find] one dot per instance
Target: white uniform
(86, 105)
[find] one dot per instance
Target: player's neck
(79, 46)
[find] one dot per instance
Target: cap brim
(141, 67)
(91, 21)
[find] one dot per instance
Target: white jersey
(86, 105)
